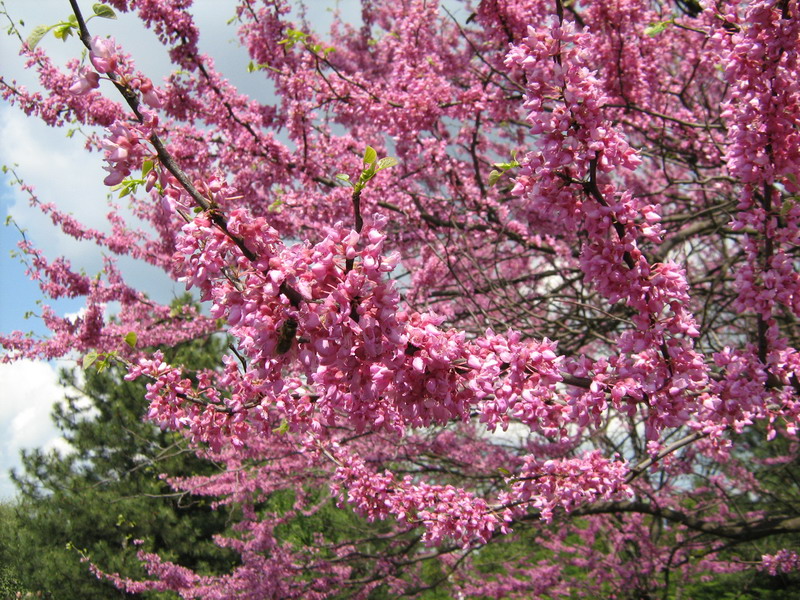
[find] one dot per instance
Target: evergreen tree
(95, 501)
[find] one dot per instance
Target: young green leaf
(131, 338)
(37, 34)
(494, 176)
(147, 166)
(386, 162)
(370, 155)
(657, 28)
(282, 428)
(343, 177)
(90, 359)
(101, 10)
(62, 31)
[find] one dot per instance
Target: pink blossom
(103, 55)
(783, 561)
(85, 81)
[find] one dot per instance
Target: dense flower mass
(518, 280)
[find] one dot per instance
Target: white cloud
(29, 390)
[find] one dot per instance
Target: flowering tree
(572, 222)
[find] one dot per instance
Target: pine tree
(95, 501)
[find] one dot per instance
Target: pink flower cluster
(567, 483)
(783, 561)
(515, 379)
(445, 511)
(761, 65)
(107, 59)
(383, 367)
(124, 151)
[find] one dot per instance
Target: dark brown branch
(742, 531)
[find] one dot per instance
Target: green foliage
(779, 483)
(337, 526)
(658, 28)
(63, 29)
(101, 10)
(107, 493)
(295, 36)
(10, 584)
(502, 168)
(371, 166)
(745, 586)
(131, 339)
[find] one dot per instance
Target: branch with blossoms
(123, 140)
(588, 237)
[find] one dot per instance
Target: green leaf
(656, 28)
(90, 359)
(147, 166)
(62, 31)
(283, 428)
(507, 165)
(101, 10)
(294, 36)
(37, 34)
(370, 156)
(788, 205)
(343, 177)
(494, 176)
(131, 338)
(387, 162)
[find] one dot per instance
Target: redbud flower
(85, 81)
(103, 55)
